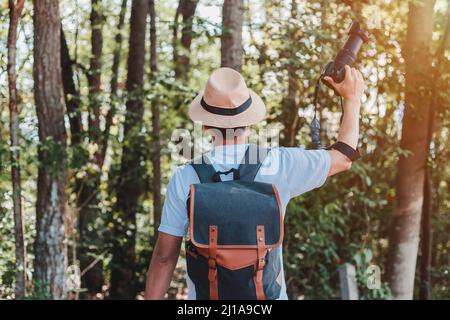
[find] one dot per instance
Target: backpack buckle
(260, 263)
(212, 273)
(236, 174)
(216, 177)
(212, 263)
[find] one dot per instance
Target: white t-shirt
(292, 170)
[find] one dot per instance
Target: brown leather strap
(260, 263)
(212, 263)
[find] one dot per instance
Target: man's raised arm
(351, 89)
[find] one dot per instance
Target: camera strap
(315, 124)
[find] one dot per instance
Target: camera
(336, 70)
(346, 56)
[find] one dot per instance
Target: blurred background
(91, 91)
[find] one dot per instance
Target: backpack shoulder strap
(252, 161)
(205, 170)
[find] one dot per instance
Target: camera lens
(347, 55)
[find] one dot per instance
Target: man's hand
(164, 261)
(352, 87)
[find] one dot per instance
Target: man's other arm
(164, 261)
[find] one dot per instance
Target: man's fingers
(330, 81)
(348, 73)
(354, 74)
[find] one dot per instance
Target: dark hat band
(225, 111)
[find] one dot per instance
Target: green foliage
(7, 263)
(39, 291)
(53, 157)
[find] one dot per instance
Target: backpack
(235, 233)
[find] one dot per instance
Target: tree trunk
(405, 228)
(50, 243)
(15, 11)
(289, 114)
(130, 185)
(156, 132)
(427, 239)
(71, 94)
(232, 20)
(94, 75)
(91, 240)
(186, 8)
(85, 188)
(115, 77)
(427, 209)
(153, 39)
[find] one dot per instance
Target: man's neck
(235, 141)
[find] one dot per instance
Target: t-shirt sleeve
(304, 170)
(174, 220)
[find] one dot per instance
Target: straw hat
(226, 102)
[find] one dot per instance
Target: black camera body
(336, 70)
(346, 56)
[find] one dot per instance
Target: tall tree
(15, 11)
(86, 187)
(427, 208)
(232, 21)
(95, 75)
(91, 239)
(91, 246)
(405, 227)
(71, 94)
(289, 114)
(115, 77)
(50, 243)
(186, 9)
(130, 186)
(156, 128)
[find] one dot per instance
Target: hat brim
(254, 114)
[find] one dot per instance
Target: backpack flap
(236, 208)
